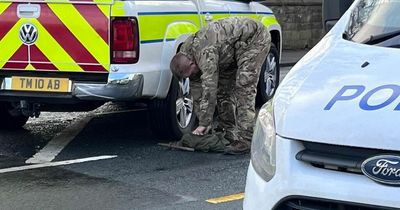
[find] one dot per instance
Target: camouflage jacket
(213, 50)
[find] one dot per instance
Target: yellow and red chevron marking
(72, 37)
(63, 1)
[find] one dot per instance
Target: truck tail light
(124, 40)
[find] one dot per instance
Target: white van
(330, 137)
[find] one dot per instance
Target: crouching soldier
(223, 61)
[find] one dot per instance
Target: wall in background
(301, 22)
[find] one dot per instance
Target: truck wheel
(269, 77)
(174, 116)
(10, 118)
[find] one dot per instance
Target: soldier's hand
(201, 130)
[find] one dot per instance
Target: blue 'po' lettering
(395, 94)
(341, 97)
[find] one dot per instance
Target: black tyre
(269, 77)
(174, 116)
(11, 118)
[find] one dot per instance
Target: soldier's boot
(229, 135)
(238, 148)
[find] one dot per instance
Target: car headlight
(263, 143)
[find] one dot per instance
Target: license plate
(40, 84)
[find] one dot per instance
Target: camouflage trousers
(237, 88)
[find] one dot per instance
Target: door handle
(208, 17)
(28, 11)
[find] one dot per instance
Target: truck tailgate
(57, 35)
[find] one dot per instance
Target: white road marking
(52, 164)
(59, 142)
(185, 199)
(62, 139)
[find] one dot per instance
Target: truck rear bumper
(120, 87)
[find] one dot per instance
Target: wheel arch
(175, 34)
(275, 30)
(276, 38)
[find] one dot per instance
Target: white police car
(330, 139)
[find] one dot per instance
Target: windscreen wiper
(381, 37)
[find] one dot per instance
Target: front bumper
(120, 87)
(295, 178)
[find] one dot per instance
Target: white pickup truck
(68, 55)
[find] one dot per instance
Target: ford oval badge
(384, 169)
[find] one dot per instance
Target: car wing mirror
(332, 10)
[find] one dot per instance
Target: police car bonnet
(331, 97)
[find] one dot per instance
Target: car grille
(339, 158)
(301, 203)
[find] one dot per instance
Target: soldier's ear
(177, 78)
(177, 75)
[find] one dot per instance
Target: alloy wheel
(270, 75)
(184, 104)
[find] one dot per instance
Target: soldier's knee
(247, 81)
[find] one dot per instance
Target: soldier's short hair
(177, 65)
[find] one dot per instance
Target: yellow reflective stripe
(153, 27)
(82, 30)
(105, 9)
(53, 51)
(176, 30)
(219, 16)
(10, 44)
(214, 17)
(4, 6)
(76, 1)
(30, 67)
(254, 16)
(269, 20)
(118, 9)
(102, 1)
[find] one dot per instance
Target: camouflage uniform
(229, 53)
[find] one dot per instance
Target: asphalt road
(110, 160)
